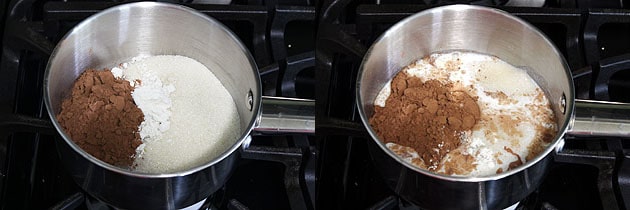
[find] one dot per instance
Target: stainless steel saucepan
(120, 33)
(492, 32)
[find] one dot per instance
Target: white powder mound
(153, 99)
(202, 121)
(514, 110)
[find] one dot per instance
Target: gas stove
(593, 36)
(299, 45)
(275, 172)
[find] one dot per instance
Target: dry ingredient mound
(101, 117)
(190, 117)
(153, 97)
(157, 114)
(429, 117)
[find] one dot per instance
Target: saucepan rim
(568, 115)
(237, 144)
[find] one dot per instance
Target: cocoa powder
(426, 116)
(101, 117)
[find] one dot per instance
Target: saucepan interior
(128, 31)
(466, 28)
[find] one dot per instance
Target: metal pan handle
(285, 116)
(600, 119)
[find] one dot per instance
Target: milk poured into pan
(516, 119)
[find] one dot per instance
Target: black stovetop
(594, 37)
(299, 45)
(275, 172)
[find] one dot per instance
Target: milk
(515, 114)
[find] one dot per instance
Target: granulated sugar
(191, 118)
(516, 122)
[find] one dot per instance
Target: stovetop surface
(312, 49)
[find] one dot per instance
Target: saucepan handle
(286, 116)
(600, 119)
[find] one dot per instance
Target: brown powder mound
(428, 117)
(102, 118)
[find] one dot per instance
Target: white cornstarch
(153, 99)
(190, 118)
(516, 118)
